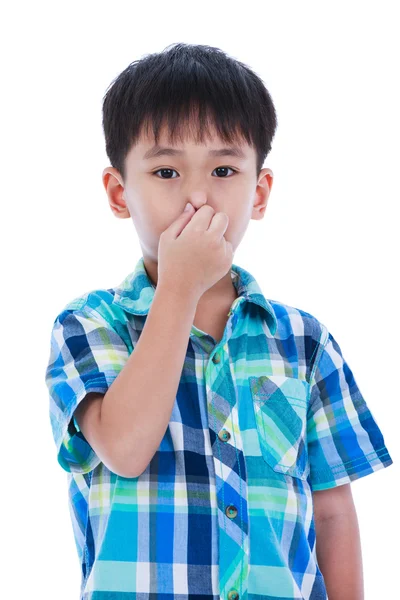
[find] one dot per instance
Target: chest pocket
(280, 409)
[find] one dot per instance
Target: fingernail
(187, 207)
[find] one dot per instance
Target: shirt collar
(136, 292)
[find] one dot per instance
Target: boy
(210, 435)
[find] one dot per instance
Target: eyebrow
(161, 151)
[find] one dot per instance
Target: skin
(155, 201)
(339, 551)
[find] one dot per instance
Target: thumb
(188, 208)
(180, 223)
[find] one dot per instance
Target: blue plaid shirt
(261, 419)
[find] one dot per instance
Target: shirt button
(233, 595)
(216, 358)
(231, 511)
(224, 435)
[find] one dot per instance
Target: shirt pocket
(280, 409)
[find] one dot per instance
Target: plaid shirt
(261, 419)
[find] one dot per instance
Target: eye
(173, 170)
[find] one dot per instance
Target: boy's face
(154, 198)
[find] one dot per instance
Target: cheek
(237, 227)
(157, 222)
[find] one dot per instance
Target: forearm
(339, 556)
(136, 409)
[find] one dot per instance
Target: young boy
(210, 435)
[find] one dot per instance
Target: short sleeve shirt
(261, 419)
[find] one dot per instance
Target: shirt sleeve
(86, 355)
(343, 439)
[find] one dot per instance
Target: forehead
(186, 139)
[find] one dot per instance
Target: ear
(264, 185)
(114, 187)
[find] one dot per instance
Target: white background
(328, 243)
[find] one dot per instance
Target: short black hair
(182, 85)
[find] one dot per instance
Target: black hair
(187, 84)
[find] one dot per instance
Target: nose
(197, 199)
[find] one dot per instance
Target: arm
(338, 543)
(136, 409)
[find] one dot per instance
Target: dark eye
(169, 171)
